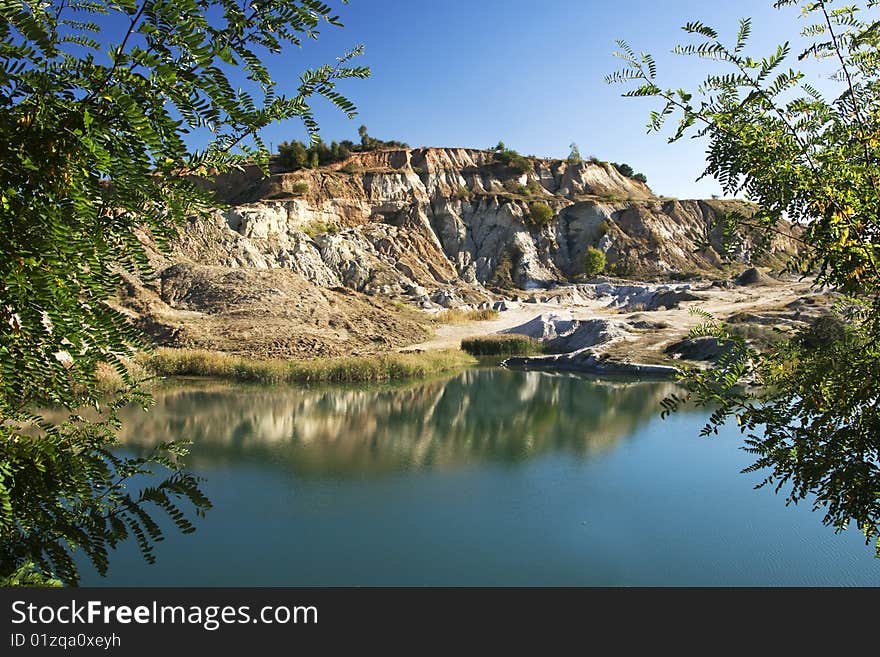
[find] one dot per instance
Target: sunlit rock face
(409, 222)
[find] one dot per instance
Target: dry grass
(109, 380)
(351, 369)
(456, 316)
(502, 345)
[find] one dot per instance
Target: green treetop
(93, 140)
(811, 416)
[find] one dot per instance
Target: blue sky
(461, 73)
(470, 73)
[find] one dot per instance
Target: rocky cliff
(437, 227)
(409, 222)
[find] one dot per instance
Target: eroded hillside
(320, 260)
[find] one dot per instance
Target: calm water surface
(492, 477)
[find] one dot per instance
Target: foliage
(506, 344)
(371, 143)
(512, 159)
(69, 488)
(300, 188)
(574, 156)
(594, 262)
(316, 228)
(92, 128)
(350, 369)
(813, 424)
(514, 187)
(629, 172)
(625, 169)
(296, 155)
(540, 213)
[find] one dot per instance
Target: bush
(296, 155)
(513, 159)
(369, 143)
(317, 228)
(625, 170)
(594, 262)
(339, 152)
(502, 345)
(541, 214)
(629, 172)
(533, 188)
(293, 155)
(299, 188)
(349, 168)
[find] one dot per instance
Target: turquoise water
(491, 477)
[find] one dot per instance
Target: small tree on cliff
(594, 262)
(293, 155)
(95, 159)
(814, 426)
(625, 170)
(540, 213)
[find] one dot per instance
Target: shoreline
(612, 332)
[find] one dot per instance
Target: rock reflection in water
(479, 416)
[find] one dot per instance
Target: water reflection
(478, 416)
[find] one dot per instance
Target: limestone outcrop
(410, 222)
(318, 261)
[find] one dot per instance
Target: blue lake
(491, 477)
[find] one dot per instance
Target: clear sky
(468, 73)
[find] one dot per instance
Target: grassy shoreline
(346, 369)
(502, 345)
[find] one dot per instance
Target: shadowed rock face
(482, 415)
